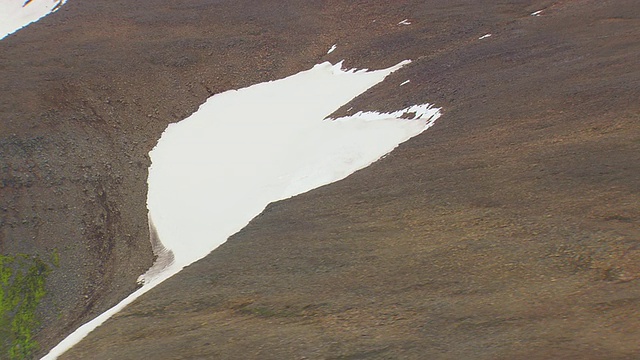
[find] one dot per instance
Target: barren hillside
(508, 230)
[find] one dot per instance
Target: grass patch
(22, 286)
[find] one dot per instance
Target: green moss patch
(22, 286)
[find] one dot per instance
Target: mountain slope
(507, 230)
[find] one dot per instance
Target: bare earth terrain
(509, 230)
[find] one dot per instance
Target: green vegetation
(22, 286)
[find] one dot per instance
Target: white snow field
(214, 171)
(16, 14)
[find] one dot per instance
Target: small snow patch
(484, 36)
(425, 112)
(333, 47)
(16, 14)
(536, 13)
(404, 22)
(405, 83)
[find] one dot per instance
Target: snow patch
(484, 36)
(214, 171)
(404, 22)
(537, 13)
(405, 82)
(333, 47)
(16, 14)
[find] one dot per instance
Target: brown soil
(509, 230)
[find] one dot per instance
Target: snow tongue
(214, 171)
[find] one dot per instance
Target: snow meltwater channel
(219, 168)
(16, 14)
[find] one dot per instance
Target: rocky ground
(509, 230)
